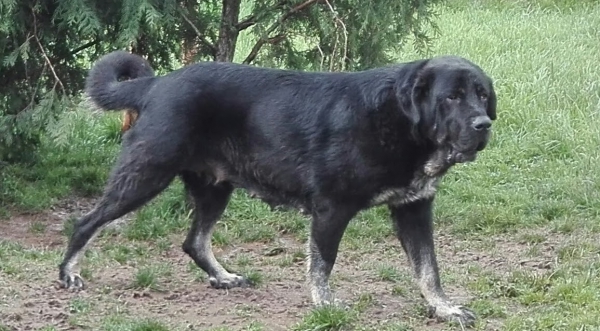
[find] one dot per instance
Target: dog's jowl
(330, 144)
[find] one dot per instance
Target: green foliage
(76, 160)
(340, 35)
(47, 46)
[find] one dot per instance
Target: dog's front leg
(414, 227)
(327, 228)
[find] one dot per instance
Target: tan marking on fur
(423, 185)
(203, 247)
(129, 118)
(318, 284)
(73, 262)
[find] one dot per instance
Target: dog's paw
(72, 282)
(458, 314)
(231, 281)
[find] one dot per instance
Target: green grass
(120, 323)
(329, 318)
(149, 277)
(76, 160)
(536, 187)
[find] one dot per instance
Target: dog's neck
(438, 163)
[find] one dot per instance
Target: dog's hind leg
(327, 229)
(414, 227)
(210, 201)
(134, 181)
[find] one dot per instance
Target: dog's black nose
(481, 123)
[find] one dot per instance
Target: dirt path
(184, 302)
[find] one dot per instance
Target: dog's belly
(275, 193)
(420, 188)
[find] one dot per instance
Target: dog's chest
(421, 187)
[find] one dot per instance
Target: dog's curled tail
(119, 80)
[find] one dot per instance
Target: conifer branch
(266, 39)
(251, 20)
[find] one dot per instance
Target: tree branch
(84, 46)
(45, 55)
(254, 52)
(251, 20)
(296, 9)
(37, 87)
(247, 22)
(203, 40)
(338, 21)
(264, 40)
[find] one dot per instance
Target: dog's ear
(412, 88)
(491, 104)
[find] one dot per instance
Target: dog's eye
(453, 97)
(483, 96)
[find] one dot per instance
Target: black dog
(331, 144)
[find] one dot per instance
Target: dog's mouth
(463, 155)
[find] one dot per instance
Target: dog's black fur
(331, 144)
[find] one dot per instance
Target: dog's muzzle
(478, 135)
(481, 123)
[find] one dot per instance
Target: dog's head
(451, 103)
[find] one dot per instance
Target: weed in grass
(285, 261)
(37, 227)
(331, 318)
(221, 237)
(255, 326)
(399, 290)
(532, 238)
(10, 269)
(79, 306)
(121, 253)
(246, 232)
(564, 226)
(299, 255)
(150, 326)
(146, 278)
(487, 309)
(163, 244)
(86, 273)
(243, 260)
(533, 251)
(245, 310)
(388, 273)
(364, 301)
(489, 285)
(255, 277)
(47, 328)
(120, 323)
(575, 251)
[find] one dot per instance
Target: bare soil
(278, 304)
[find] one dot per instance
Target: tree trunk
(228, 33)
(189, 43)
